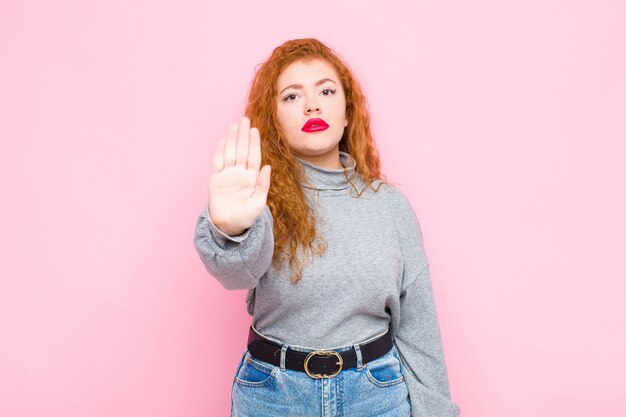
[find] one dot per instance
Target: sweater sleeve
(418, 337)
(237, 262)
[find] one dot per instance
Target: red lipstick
(314, 125)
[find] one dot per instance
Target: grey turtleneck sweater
(373, 274)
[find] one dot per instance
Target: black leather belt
(320, 363)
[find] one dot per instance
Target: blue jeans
(377, 388)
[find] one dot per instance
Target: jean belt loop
(359, 357)
(283, 354)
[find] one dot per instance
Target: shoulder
(401, 211)
(394, 203)
(393, 197)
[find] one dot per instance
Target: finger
(230, 155)
(254, 156)
(218, 157)
(243, 138)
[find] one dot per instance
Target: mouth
(315, 125)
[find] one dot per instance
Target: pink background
(504, 121)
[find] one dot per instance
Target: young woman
(343, 317)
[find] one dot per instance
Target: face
(311, 111)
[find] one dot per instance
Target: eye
(328, 91)
(289, 97)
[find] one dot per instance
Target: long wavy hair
(294, 223)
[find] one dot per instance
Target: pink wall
(505, 122)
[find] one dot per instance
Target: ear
(346, 123)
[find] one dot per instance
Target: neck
(329, 160)
(330, 179)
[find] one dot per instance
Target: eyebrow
(299, 86)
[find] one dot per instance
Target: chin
(318, 150)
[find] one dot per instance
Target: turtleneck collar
(330, 179)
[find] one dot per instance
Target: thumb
(263, 182)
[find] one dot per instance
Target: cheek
(340, 107)
(282, 120)
(286, 117)
(340, 118)
(289, 124)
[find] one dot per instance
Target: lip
(314, 125)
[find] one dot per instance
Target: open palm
(237, 187)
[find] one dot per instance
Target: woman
(344, 321)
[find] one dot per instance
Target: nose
(312, 107)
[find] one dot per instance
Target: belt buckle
(323, 353)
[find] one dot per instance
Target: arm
(418, 338)
(421, 351)
(237, 262)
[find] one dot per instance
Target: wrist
(229, 231)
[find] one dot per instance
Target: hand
(237, 188)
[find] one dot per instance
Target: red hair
(294, 224)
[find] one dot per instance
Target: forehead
(306, 72)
